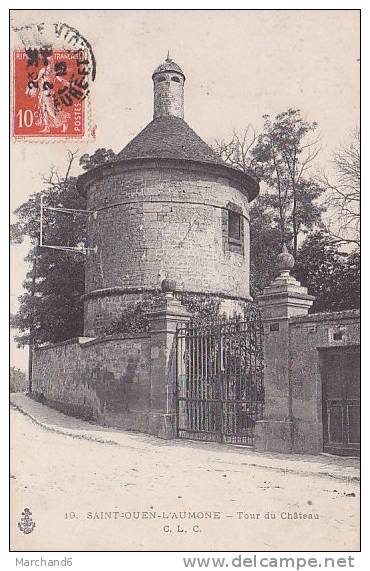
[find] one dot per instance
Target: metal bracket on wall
(81, 249)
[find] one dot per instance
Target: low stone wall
(294, 347)
(309, 336)
(106, 380)
(123, 381)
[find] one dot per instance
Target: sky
(239, 65)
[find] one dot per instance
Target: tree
(51, 308)
(238, 151)
(265, 244)
(280, 157)
(331, 275)
(344, 193)
(100, 157)
(283, 155)
(17, 380)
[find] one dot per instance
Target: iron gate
(219, 372)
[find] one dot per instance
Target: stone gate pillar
(283, 299)
(163, 322)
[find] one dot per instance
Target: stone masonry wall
(169, 95)
(104, 380)
(308, 335)
(155, 223)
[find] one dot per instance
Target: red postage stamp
(49, 93)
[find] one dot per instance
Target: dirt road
(169, 495)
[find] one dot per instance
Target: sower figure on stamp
(50, 112)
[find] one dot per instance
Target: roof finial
(168, 56)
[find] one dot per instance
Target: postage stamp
(50, 88)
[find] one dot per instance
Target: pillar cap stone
(285, 260)
(169, 307)
(285, 296)
(168, 285)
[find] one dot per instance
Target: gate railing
(219, 379)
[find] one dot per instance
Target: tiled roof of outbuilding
(169, 138)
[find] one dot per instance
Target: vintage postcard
(185, 281)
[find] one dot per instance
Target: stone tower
(167, 207)
(168, 81)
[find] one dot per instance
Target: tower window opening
(338, 336)
(234, 227)
(175, 78)
(162, 78)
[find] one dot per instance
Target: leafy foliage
(134, 319)
(284, 153)
(331, 275)
(101, 156)
(201, 305)
(264, 246)
(51, 309)
(17, 380)
(204, 308)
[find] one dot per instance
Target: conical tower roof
(169, 138)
